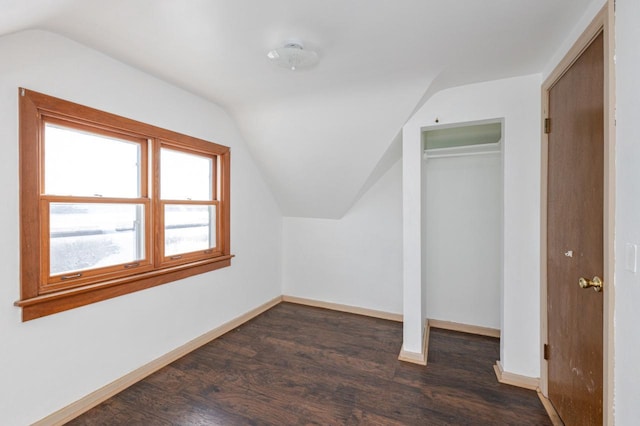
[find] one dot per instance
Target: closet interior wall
(462, 237)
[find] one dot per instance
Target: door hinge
(547, 125)
(545, 352)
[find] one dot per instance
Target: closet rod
(466, 154)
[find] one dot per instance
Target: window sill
(52, 303)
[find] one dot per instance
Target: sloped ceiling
(317, 134)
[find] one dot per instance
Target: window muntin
(92, 179)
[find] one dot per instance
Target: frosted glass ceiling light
(293, 56)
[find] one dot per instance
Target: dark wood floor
(300, 365)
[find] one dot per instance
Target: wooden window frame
(41, 295)
(160, 203)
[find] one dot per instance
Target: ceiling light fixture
(293, 56)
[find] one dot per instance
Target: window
(110, 205)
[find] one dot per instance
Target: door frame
(603, 22)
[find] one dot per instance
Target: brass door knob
(596, 283)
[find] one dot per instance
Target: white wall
(589, 13)
(627, 227)
(462, 238)
(50, 362)
(355, 260)
(517, 100)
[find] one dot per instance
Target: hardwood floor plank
(296, 364)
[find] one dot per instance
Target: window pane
(188, 228)
(87, 236)
(79, 163)
(185, 176)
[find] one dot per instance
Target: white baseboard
(84, 404)
(415, 357)
(512, 379)
(343, 308)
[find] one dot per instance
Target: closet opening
(462, 223)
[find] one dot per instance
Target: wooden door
(575, 239)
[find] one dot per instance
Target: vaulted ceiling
(317, 134)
